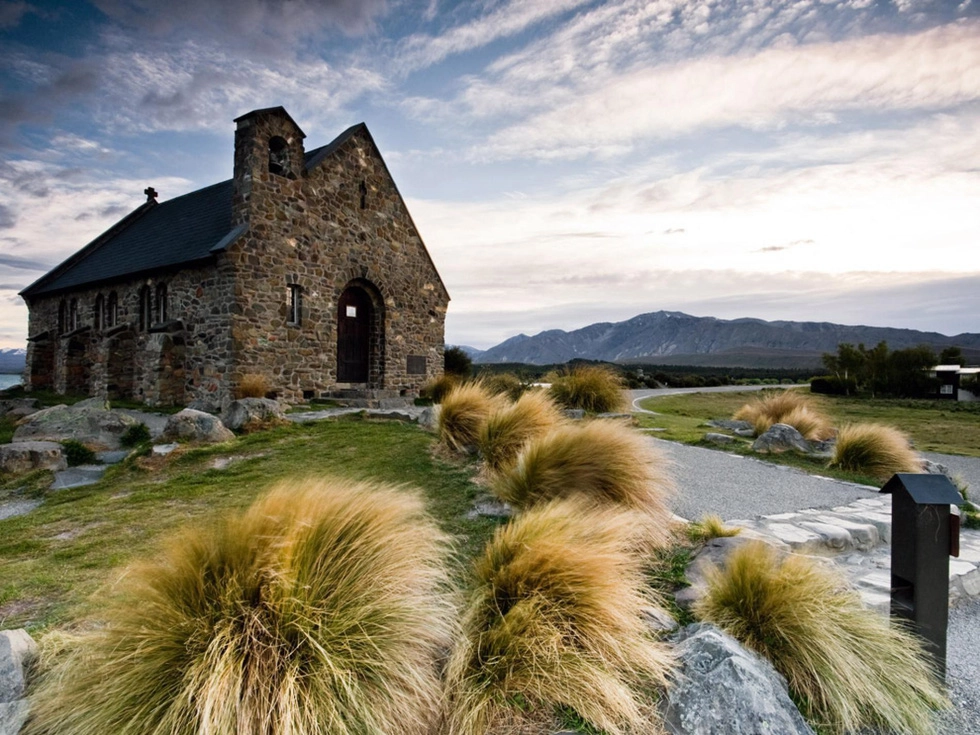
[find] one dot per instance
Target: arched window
(160, 304)
(62, 317)
(279, 156)
(73, 315)
(111, 310)
(146, 304)
(98, 312)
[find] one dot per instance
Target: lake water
(7, 380)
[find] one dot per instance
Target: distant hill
(12, 360)
(675, 338)
(473, 352)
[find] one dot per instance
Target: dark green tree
(457, 362)
(951, 356)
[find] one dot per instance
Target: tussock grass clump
(506, 384)
(465, 409)
(510, 427)
(605, 461)
(323, 608)
(252, 386)
(709, 527)
(555, 620)
(874, 449)
(786, 407)
(437, 389)
(590, 387)
(846, 667)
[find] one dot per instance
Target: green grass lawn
(53, 560)
(935, 426)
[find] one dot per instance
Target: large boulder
(195, 426)
(19, 407)
(725, 689)
(87, 422)
(22, 457)
(781, 438)
(17, 651)
(248, 410)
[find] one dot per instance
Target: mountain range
(675, 338)
(12, 360)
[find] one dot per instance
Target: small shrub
(436, 390)
(464, 411)
(590, 387)
(709, 527)
(323, 608)
(510, 427)
(785, 407)
(554, 622)
(252, 386)
(77, 453)
(845, 666)
(457, 362)
(603, 460)
(874, 449)
(135, 435)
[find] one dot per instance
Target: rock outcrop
(196, 426)
(87, 422)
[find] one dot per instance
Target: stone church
(305, 269)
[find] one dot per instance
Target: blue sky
(566, 161)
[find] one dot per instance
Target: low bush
(510, 427)
(846, 667)
(135, 435)
(323, 608)
(77, 453)
(465, 409)
(874, 449)
(590, 387)
(602, 460)
(785, 407)
(252, 386)
(436, 390)
(554, 621)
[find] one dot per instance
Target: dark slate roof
(176, 233)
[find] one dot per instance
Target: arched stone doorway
(360, 335)
(121, 364)
(42, 364)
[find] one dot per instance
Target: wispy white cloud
(934, 69)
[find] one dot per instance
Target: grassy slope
(54, 559)
(936, 426)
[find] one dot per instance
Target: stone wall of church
(343, 220)
(180, 358)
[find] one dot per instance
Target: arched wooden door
(355, 319)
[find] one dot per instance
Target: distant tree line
(878, 371)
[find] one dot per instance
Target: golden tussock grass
(593, 388)
(786, 407)
(603, 460)
(465, 409)
(437, 389)
(845, 666)
(510, 427)
(506, 384)
(323, 608)
(709, 527)
(874, 449)
(252, 386)
(555, 618)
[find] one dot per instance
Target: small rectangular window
(352, 311)
(294, 304)
(946, 390)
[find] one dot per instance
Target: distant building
(305, 268)
(956, 383)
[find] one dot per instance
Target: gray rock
(781, 438)
(746, 433)
(429, 418)
(162, 450)
(18, 407)
(244, 410)
(196, 426)
(112, 457)
(658, 620)
(490, 508)
(732, 425)
(576, 414)
(26, 456)
(716, 438)
(14, 508)
(725, 689)
(89, 424)
(99, 404)
(17, 650)
(13, 715)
